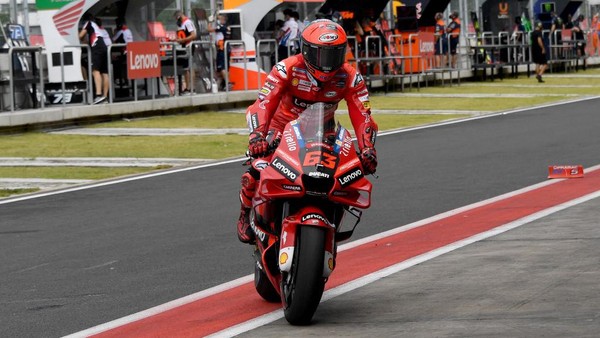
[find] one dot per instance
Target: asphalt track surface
(75, 260)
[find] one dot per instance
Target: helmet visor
(324, 58)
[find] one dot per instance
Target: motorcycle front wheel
(303, 286)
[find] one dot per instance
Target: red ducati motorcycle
(313, 181)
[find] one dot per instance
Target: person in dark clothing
(579, 37)
(223, 33)
(99, 57)
(538, 52)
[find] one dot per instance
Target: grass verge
(11, 192)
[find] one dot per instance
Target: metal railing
(211, 68)
(11, 70)
(245, 57)
(259, 57)
(90, 96)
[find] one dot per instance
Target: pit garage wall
(251, 14)
(59, 21)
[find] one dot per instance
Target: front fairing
(316, 157)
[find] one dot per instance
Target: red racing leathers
(289, 89)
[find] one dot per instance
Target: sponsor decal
(330, 94)
(364, 91)
(265, 91)
(305, 83)
(263, 103)
(299, 70)
(347, 146)
(281, 69)
(259, 233)
(328, 37)
(315, 217)
(358, 79)
(143, 60)
(340, 84)
(269, 85)
(304, 103)
(295, 82)
(304, 88)
(289, 140)
(261, 97)
(291, 187)
(340, 193)
(300, 75)
(427, 47)
(341, 75)
(349, 177)
(283, 258)
(284, 169)
(260, 164)
(367, 105)
(254, 121)
(298, 133)
(272, 78)
(363, 98)
(330, 26)
(318, 174)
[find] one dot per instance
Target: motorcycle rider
(318, 74)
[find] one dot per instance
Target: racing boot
(245, 233)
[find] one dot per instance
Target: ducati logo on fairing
(284, 169)
(350, 177)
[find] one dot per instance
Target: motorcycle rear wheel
(302, 288)
(264, 287)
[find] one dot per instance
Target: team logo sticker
(281, 69)
(328, 37)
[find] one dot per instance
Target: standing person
(287, 34)
(99, 57)
(595, 32)
(122, 36)
(296, 17)
(223, 32)
(538, 52)
(103, 33)
(453, 31)
(186, 33)
(440, 40)
(556, 37)
(579, 37)
(318, 74)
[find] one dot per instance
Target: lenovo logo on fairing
(350, 177)
(284, 169)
